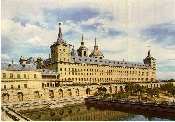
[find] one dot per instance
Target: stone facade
(43, 79)
(94, 69)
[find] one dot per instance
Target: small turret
(22, 60)
(150, 61)
(82, 51)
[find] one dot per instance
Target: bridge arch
(20, 96)
(77, 92)
(115, 89)
(5, 97)
(110, 89)
(88, 91)
(60, 93)
(51, 94)
(36, 94)
(69, 92)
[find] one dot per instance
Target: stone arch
(69, 93)
(60, 92)
(115, 89)
(36, 94)
(5, 97)
(51, 94)
(77, 92)
(110, 89)
(20, 96)
(121, 88)
(88, 91)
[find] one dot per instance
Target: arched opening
(20, 96)
(36, 94)
(115, 89)
(77, 92)
(88, 91)
(51, 94)
(61, 93)
(69, 93)
(110, 89)
(5, 97)
(121, 89)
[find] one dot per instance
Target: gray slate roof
(89, 60)
(149, 57)
(26, 67)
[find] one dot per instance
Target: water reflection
(84, 112)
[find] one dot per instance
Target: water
(84, 112)
(143, 118)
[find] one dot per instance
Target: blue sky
(124, 29)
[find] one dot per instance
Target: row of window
(12, 87)
(95, 65)
(96, 70)
(64, 59)
(17, 75)
(106, 79)
(124, 74)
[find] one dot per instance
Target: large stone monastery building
(80, 68)
(66, 66)
(31, 79)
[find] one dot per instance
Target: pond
(84, 112)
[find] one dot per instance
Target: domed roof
(96, 53)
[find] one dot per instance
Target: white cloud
(127, 16)
(5, 58)
(36, 55)
(165, 75)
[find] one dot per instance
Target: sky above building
(124, 29)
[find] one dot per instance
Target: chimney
(49, 56)
(12, 61)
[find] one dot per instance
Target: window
(60, 69)
(18, 86)
(11, 86)
(5, 87)
(18, 75)
(4, 75)
(25, 85)
(11, 75)
(34, 75)
(24, 75)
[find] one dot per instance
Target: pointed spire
(95, 41)
(148, 52)
(60, 33)
(82, 42)
(82, 37)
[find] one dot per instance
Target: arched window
(34, 75)
(18, 75)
